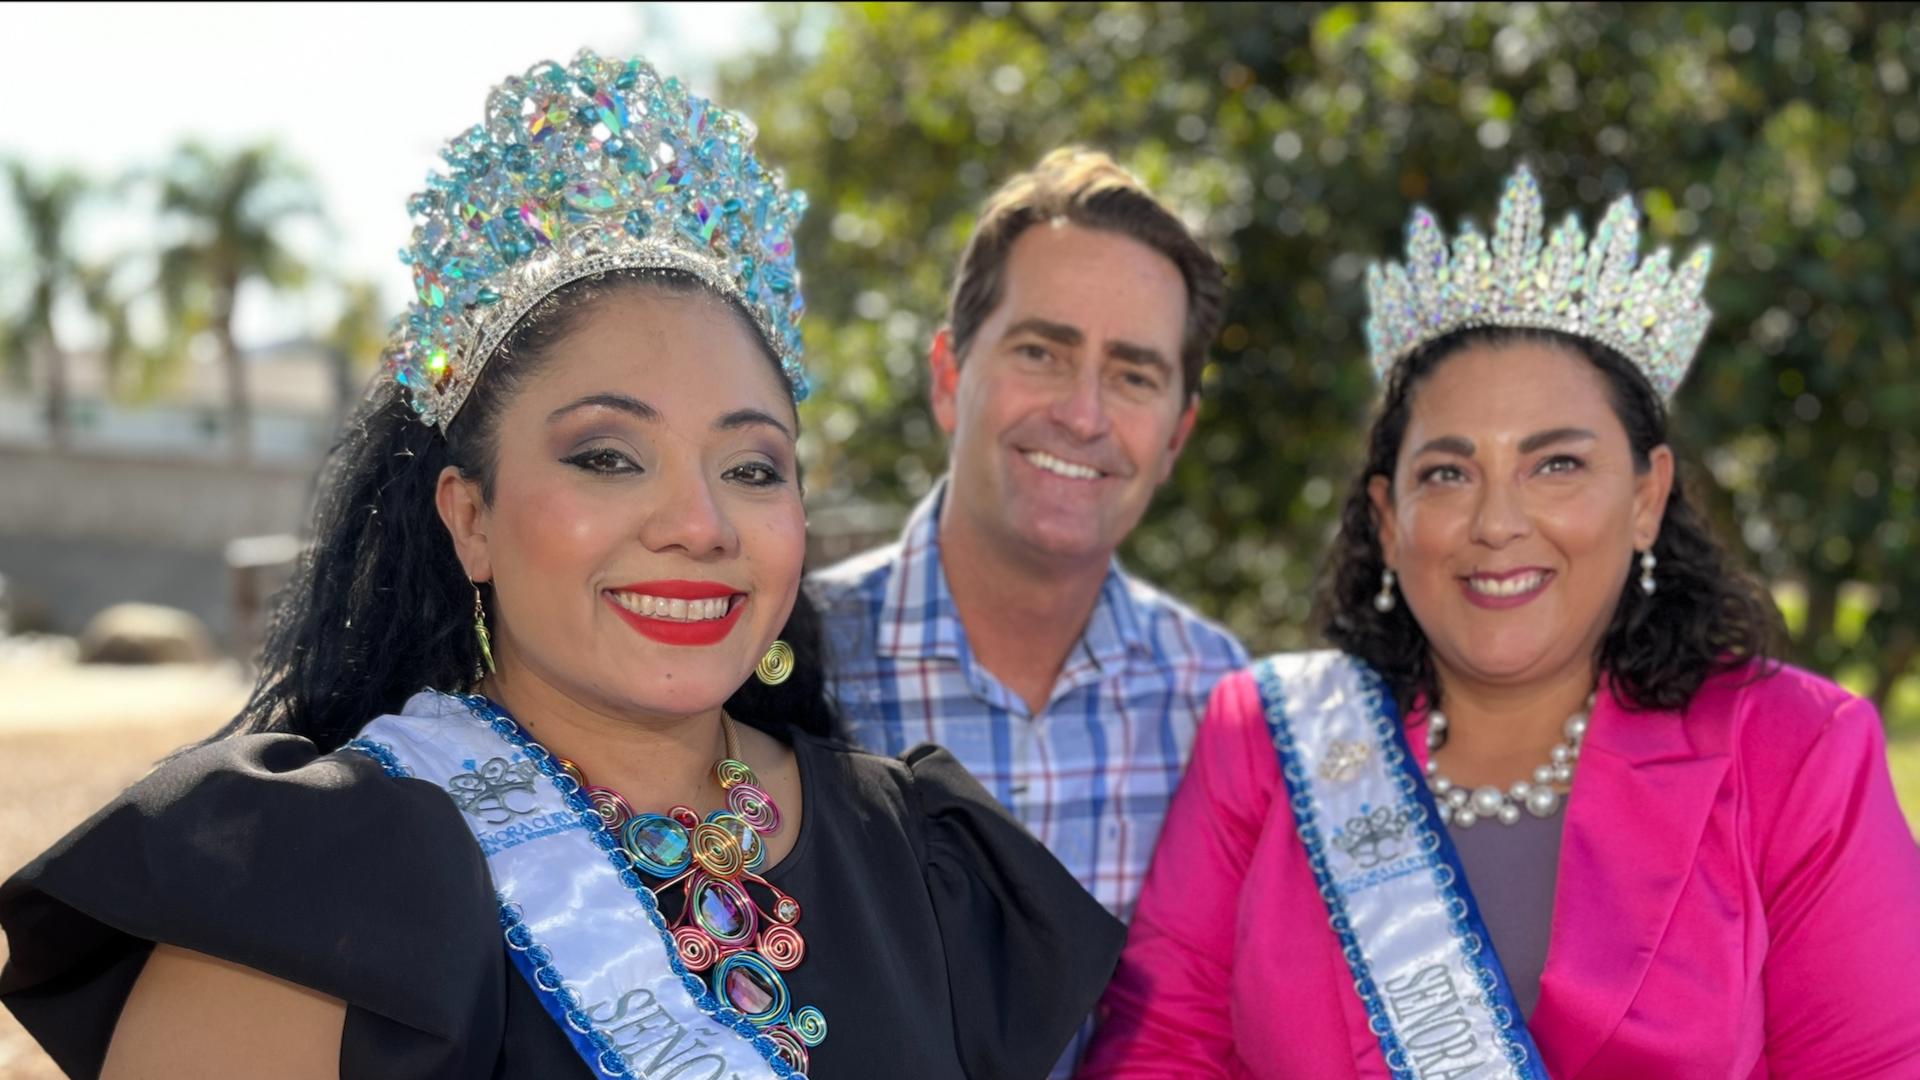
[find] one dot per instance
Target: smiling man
(1000, 625)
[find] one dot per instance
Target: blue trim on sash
(382, 754)
(1466, 923)
(535, 964)
(1273, 699)
(530, 957)
(507, 728)
(533, 961)
(1451, 876)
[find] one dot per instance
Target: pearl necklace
(1462, 808)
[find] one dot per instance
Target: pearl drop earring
(1385, 600)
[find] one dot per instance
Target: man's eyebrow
(1058, 332)
(1144, 355)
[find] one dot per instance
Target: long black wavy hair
(1704, 619)
(379, 607)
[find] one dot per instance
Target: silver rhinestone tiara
(1649, 313)
(596, 166)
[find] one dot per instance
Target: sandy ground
(72, 737)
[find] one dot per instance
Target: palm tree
(104, 288)
(229, 211)
(358, 335)
(46, 206)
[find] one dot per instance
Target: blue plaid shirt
(1092, 774)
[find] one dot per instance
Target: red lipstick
(680, 631)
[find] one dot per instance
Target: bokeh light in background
(1299, 136)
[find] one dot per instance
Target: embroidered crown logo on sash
(1422, 961)
(1374, 835)
(489, 791)
(577, 920)
(1345, 760)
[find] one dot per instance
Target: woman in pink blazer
(1548, 810)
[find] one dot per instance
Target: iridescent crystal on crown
(599, 165)
(1650, 313)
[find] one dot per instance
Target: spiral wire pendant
(722, 931)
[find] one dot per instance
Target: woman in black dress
(488, 812)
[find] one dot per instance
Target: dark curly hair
(1705, 618)
(379, 606)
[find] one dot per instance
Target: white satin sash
(1422, 960)
(578, 923)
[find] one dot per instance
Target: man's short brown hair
(1086, 188)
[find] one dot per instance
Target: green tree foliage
(1299, 136)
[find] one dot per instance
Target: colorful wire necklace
(721, 928)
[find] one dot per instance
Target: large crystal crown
(599, 165)
(1650, 313)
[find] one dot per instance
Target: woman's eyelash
(765, 475)
(601, 459)
(607, 461)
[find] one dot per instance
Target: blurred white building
(145, 499)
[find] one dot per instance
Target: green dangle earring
(480, 628)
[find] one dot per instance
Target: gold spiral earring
(775, 667)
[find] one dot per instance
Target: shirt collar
(918, 617)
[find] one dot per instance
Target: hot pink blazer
(1738, 896)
